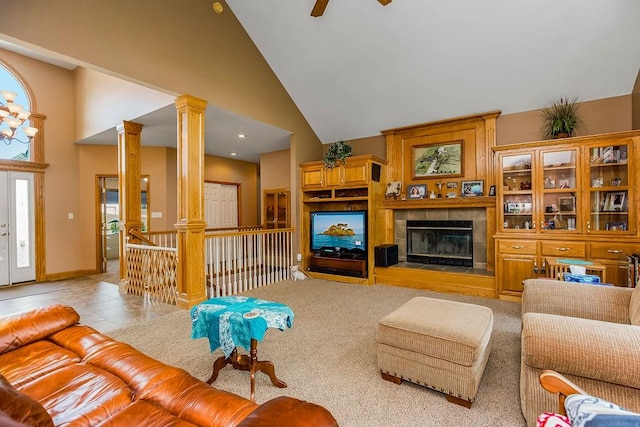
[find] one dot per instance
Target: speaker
(386, 255)
(375, 172)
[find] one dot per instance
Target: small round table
(229, 322)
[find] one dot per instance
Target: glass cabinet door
(609, 189)
(560, 206)
(517, 195)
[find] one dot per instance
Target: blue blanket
(229, 322)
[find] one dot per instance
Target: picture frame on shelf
(416, 191)
(492, 190)
(567, 204)
(436, 160)
(472, 188)
(452, 184)
(616, 201)
(394, 189)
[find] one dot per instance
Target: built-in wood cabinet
(569, 198)
(276, 208)
(352, 185)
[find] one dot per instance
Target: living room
(256, 92)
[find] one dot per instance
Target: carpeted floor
(328, 357)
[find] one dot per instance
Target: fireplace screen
(440, 242)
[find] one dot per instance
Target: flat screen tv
(339, 230)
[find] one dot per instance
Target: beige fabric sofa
(588, 333)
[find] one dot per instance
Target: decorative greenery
(561, 119)
(338, 151)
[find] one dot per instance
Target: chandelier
(12, 118)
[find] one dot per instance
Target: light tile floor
(101, 303)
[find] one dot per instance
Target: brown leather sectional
(54, 371)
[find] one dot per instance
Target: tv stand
(342, 266)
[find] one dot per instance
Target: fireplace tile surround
(477, 215)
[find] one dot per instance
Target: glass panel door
(559, 190)
(517, 195)
(609, 189)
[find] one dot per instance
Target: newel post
(191, 225)
(129, 169)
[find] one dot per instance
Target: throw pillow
(22, 408)
(590, 411)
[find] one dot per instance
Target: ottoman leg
(459, 401)
(391, 378)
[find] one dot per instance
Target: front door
(17, 238)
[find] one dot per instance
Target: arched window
(18, 147)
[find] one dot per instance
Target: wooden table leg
(249, 363)
(221, 362)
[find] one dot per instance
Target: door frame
(100, 247)
(37, 169)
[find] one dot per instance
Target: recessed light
(234, 154)
(217, 7)
(242, 135)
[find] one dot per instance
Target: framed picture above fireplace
(437, 160)
(472, 188)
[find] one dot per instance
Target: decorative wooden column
(191, 224)
(129, 167)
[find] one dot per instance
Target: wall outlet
(299, 258)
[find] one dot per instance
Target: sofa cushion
(634, 307)
(20, 407)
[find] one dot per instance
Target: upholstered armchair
(587, 333)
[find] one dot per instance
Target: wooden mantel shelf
(444, 203)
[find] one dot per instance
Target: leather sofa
(54, 371)
(588, 333)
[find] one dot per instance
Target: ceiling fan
(320, 6)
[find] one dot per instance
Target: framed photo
(393, 190)
(416, 191)
(436, 160)
(567, 204)
(492, 190)
(615, 201)
(451, 185)
(472, 188)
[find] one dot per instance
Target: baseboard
(64, 275)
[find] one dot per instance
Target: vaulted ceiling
(362, 67)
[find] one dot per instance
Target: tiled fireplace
(476, 217)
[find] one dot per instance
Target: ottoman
(440, 344)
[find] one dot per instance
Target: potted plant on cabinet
(338, 151)
(561, 119)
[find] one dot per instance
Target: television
(339, 231)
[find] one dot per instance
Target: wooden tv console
(340, 266)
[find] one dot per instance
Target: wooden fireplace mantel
(444, 203)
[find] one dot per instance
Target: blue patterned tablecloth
(222, 321)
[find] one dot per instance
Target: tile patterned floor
(101, 303)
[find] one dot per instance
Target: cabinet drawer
(564, 249)
(613, 250)
(517, 247)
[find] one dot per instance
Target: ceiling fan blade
(319, 7)
(384, 2)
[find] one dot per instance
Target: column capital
(189, 101)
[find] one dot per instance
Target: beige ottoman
(440, 344)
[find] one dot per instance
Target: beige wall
(143, 42)
(274, 170)
(601, 116)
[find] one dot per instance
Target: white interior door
(220, 205)
(17, 239)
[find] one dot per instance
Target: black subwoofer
(386, 255)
